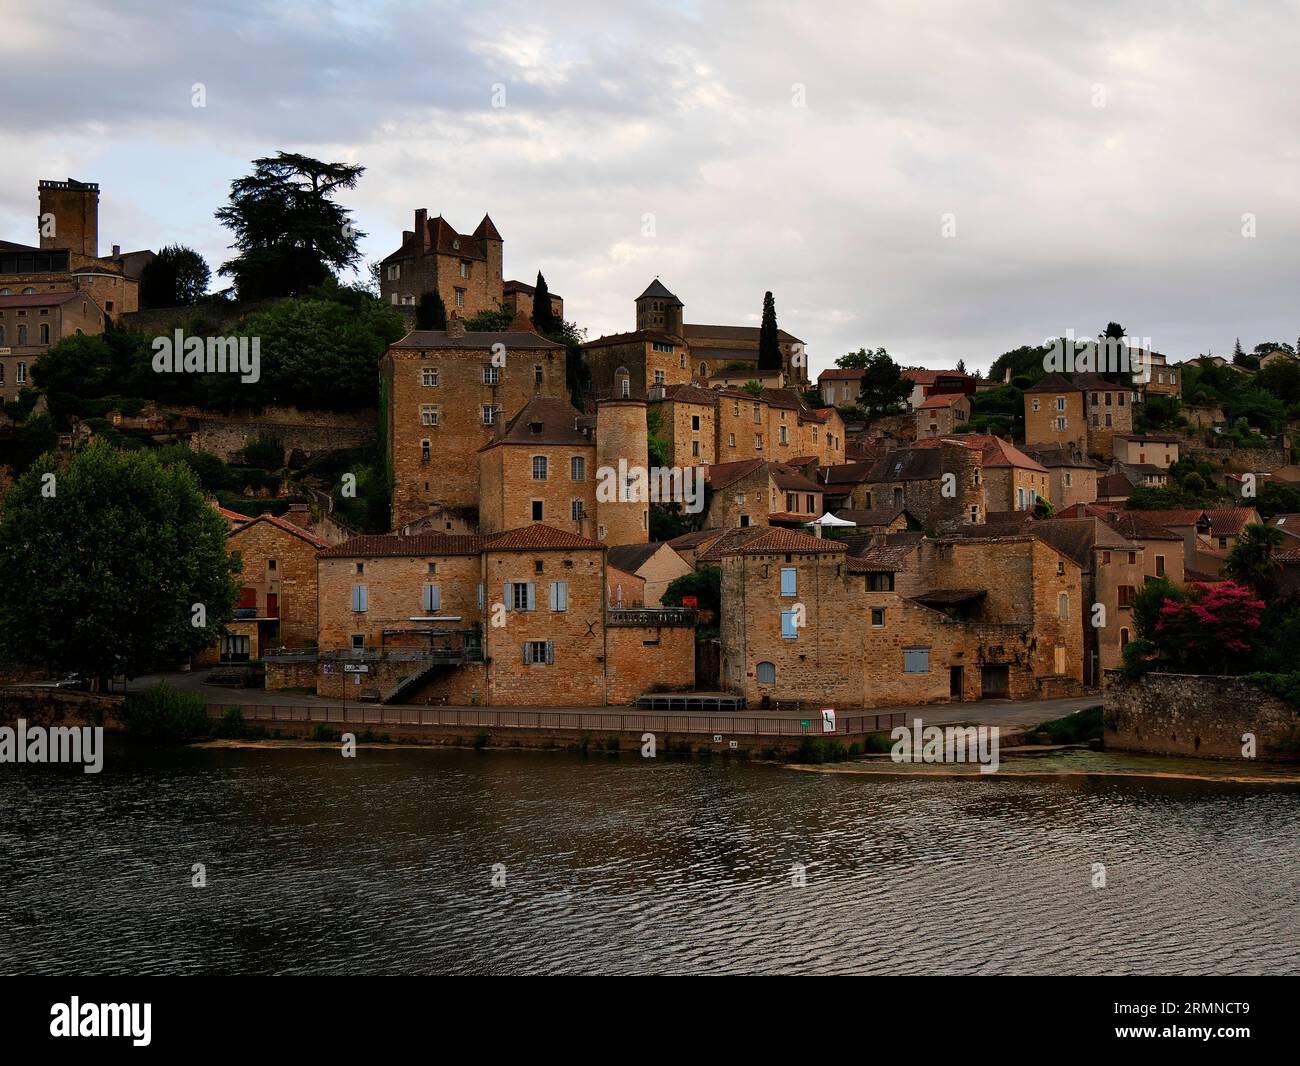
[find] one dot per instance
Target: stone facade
(29, 324)
(277, 578)
(443, 400)
(1084, 412)
(1198, 715)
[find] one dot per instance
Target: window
(877, 618)
(1105, 558)
(765, 673)
(1063, 606)
(45, 333)
(394, 271)
(270, 564)
(880, 582)
(425, 450)
(1123, 639)
(433, 568)
(695, 423)
(731, 440)
(460, 297)
(464, 271)
(758, 442)
(1060, 423)
(428, 414)
(1066, 479)
(1035, 403)
(788, 580)
(789, 628)
(695, 448)
(758, 413)
(1060, 403)
(539, 653)
(576, 509)
(1020, 499)
(432, 598)
(660, 346)
(791, 502)
(1126, 594)
(540, 468)
(1132, 558)
(360, 597)
(20, 373)
(626, 389)
(539, 375)
(490, 412)
(577, 468)
(22, 334)
(491, 375)
(361, 568)
(681, 362)
(520, 596)
(916, 660)
(429, 377)
(559, 595)
(539, 510)
(1160, 566)
(785, 435)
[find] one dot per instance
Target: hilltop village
(697, 513)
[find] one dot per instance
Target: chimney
(422, 228)
(117, 250)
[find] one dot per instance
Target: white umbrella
(827, 519)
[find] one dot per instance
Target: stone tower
(659, 309)
(622, 469)
(69, 216)
(965, 504)
(491, 245)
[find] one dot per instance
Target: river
(614, 864)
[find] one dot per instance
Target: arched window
(1123, 639)
(2, 334)
(22, 335)
(29, 291)
(704, 370)
(622, 382)
(766, 673)
(45, 333)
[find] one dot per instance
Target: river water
(384, 864)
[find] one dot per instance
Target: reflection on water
(383, 863)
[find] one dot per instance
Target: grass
(1073, 729)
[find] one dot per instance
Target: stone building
(940, 483)
(1084, 411)
(443, 394)
(516, 618)
(540, 468)
(942, 413)
(911, 620)
(1010, 479)
(1147, 449)
(664, 350)
(30, 324)
(655, 565)
(464, 269)
(754, 492)
(1071, 476)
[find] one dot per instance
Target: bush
(1072, 729)
(1284, 686)
(1138, 658)
(162, 713)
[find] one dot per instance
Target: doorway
(956, 679)
(995, 680)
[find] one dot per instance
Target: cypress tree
(543, 319)
(769, 349)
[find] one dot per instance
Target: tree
(290, 233)
(176, 277)
(431, 312)
(1238, 354)
(705, 584)
(961, 366)
(769, 342)
(1148, 601)
(543, 314)
(495, 321)
(1252, 561)
(1212, 631)
(883, 386)
(102, 567)
(1113, 332)
(754, 388)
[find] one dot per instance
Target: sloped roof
(730, 539)
(1132, 524)
(524, 287)
(996, 451)
(939, 400)
(1114, 485)
(641, 335)
(691, 394)
(1057, 455)
(720, 475)
(688, 541)
(921, 376)
(845, 473)
(658, 291)
(279, 523)
(631, 557)
(1228, 521)
(543, 420)
(487, 229)
(840, 374)
(373, 546)
(1154, 438)
(43, 299)
(879, 516)
(881, 558)
(538, 537)
(775, 540)
(699, 331)
(792, 480)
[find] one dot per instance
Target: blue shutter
(550, 652)
(359, 598)
(788, 581)
(916, 660)
(532, 597)
(508, 597)
(789, 631)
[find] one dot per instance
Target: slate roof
(657, 290)
(631, 557)
(536, 537)
(440, 338)
(543, 420)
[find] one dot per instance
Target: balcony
(650, 616)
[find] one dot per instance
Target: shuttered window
(539, 653)
(360, 598)
(520, 596)
(788, 581)
(559, 595)
(432, 598)
(789, 627)
(916, 660)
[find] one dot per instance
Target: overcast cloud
(1067, 214)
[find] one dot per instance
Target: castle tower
(69, 216)
(964, 503)
(659, 309)
(621, 454)
(491, 246)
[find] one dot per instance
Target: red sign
(690, 601)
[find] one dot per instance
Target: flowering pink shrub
(1213, 631)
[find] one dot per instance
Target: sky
(944, 180)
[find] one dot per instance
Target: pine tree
(543, 318)
(769, 347)
(431, 313)
(1238, 355)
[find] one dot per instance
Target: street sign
(828, 719)
(355, 668)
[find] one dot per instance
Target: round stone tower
(622, 472)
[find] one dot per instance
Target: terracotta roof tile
(773, 541)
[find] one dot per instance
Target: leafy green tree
(431, 312)
(103, 562)
(883, 386)
(754, 388)
(176, 277)
(1253, 561)
(1149, 600)
(289, 232)
(495, 321)
(657, 448)
(543, 314)
(769, 343)
(704, 583)
(1277, 498)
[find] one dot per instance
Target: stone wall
(641, 659)
(310, 432)
(1201, 715)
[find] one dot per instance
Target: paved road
(1003, 713)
